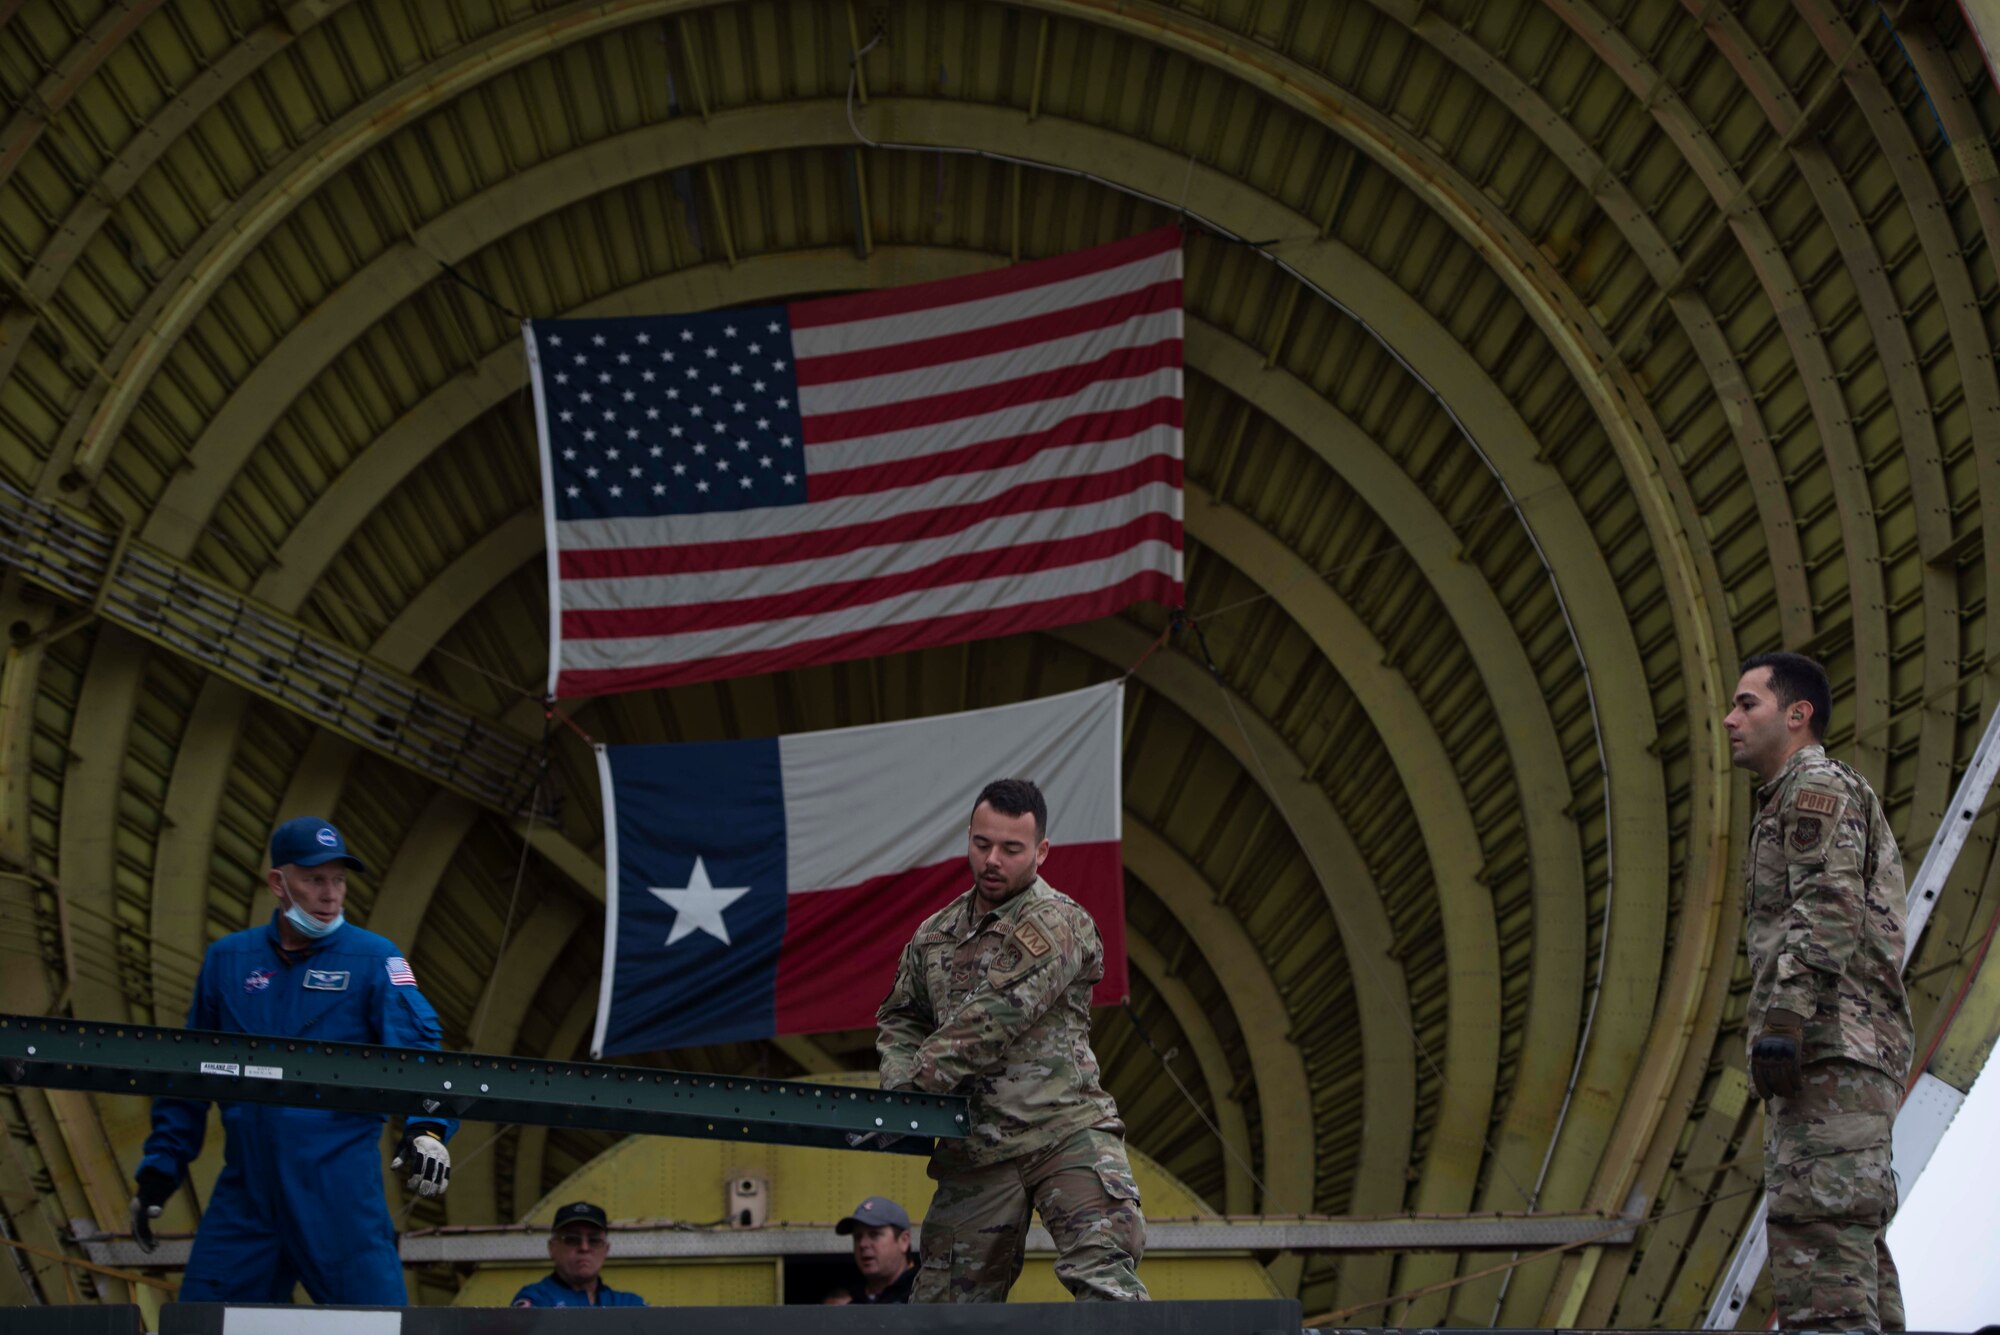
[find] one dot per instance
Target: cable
(520, 870)
(1264, 1192)
(130, 1277)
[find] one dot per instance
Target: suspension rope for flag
(1173, 624)
(479, 291)
(549, 711)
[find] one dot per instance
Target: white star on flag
(699, 907)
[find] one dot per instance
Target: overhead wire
(1166, 1064)
(129, 1276)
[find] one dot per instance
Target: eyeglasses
(589, 1240)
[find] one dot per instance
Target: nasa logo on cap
(328, 837)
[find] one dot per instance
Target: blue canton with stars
(672, 414)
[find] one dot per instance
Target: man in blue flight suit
(300, 1195)
(578, 1243)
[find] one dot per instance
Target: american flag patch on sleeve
(399, 972)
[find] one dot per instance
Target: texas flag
(769, 886)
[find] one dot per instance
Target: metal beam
(405, 1082)
(209, 624)
(1240, 1235)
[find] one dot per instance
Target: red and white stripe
(984, 455)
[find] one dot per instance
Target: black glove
(873, 1140)
(429, 1161)
(155, 1190)
(1775, 1065)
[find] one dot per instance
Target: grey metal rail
(132, 584)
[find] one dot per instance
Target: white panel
(863, 802)
(308, 1321)
(1920, 1126)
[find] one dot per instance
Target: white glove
(429, 1161)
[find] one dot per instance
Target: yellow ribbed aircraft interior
(1544, 358)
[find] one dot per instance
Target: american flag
(759, 489)
(399, 972)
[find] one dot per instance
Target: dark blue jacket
(299, 1199)
(552, 1292)
(343, 989)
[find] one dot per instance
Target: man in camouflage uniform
(992, 1000)
(1829, 1024)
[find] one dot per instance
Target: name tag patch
(327, 980)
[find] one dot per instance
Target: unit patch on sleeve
(1805, 833)
(1815, 801)
(1032, 940)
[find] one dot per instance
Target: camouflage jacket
(1823, 914)
(996, 1006)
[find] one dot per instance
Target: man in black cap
(881, 1231)
(579, 1240)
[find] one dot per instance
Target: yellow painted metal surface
(1589, 348)
(661, 1178)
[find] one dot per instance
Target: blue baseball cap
(308, 841)
(875, 1212)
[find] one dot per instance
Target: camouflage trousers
(1827, 1175)
(976, 1230)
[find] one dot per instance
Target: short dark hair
(1796, 678)
(1016, 797)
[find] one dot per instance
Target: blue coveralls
(552, 1292)
(300, 1195)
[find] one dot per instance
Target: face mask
(308, 926)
